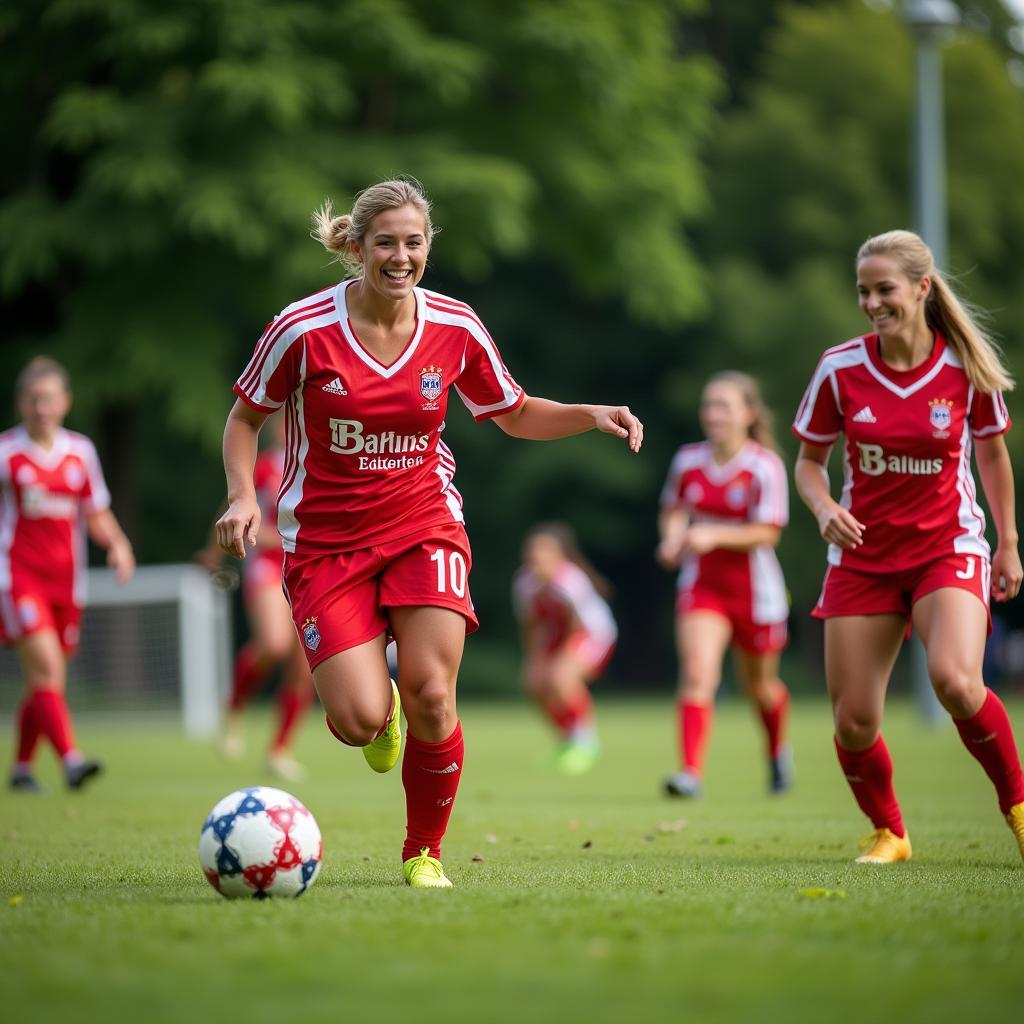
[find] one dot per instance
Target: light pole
(930, 22)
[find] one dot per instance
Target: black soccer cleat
(24, 782)
(77, 775)
(781, 772)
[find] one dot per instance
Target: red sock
(28, 730)
(775, 720)
(250, 671)
(54, 721)
(869, 773)
(291, 704)
(694, 731)
(430, 775)
(988, 737)
(576, 712)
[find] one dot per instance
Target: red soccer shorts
(593, 652)
(748, 635)
(29, 612)
(340, 600)
(850, 592)
(262, 569)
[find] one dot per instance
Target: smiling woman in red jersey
(907, 537)
(370, 520)
(51, 486)
(723, 508)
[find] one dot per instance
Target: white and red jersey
(43, 496)
(267, 474)
(365, 461)
(907, 455)
(750, 488)
(564, 606)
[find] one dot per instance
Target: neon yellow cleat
(425, 872)
(577, 758)
(382, 754)
(1015, 819)
(884, 847)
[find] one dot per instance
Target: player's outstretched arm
(105, 530)
(540, 419)
(996, 474)
(835, 523)
(241, 521)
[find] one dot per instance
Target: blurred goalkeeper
(51, 485)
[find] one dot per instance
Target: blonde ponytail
(955, 319)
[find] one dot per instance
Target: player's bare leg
(355, 692)
(759, 677)
(702, 638)
(430, 644)
(860, 651)
(293, 699)
(953, 624)
(44, 713)
(570, 694)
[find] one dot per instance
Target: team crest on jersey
(310, 634)
(940, 416)
(431, 385)
(26, 475)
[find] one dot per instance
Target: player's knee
(856, 729)
(432, 703)
(357, 725)
(695, 684)
(957, 688)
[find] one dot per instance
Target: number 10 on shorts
(451, 571)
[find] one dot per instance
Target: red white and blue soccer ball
(260, 842)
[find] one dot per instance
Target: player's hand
(700, 539)
(239, 524)
(669, 553)
(837, 526)
(1006, 573)
(121, 559)
(618, 420)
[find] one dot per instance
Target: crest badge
(431, 386)
(940, 416)
(310, 634)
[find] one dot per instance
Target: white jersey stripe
(281, 323)
(287, 524)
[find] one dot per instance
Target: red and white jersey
(267, 475)
(563, 606)
(44, 496)
(365, 461)
(750, 488)
(907, 455)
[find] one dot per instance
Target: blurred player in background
(568, 636)
(371, 523)
(273, 643)
(51, 486)
(723, 508)
(907, 540)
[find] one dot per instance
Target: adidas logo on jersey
(335, 387)
(865, 416)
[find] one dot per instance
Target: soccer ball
(260, 842)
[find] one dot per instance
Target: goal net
(162, 642)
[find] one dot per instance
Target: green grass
(590, 902)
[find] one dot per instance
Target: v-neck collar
(49, 458)
(718, 472)
(904, 382)
(341, 305)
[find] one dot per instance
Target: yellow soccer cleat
(1015, 819)
(884, 847)
(382, 754)
(425, 872)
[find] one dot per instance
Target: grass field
(590, 899)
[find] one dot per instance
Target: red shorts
(341, 600)
(748, 635)
(262, 569)
(592, 651)
(29, 612)
(851, 592)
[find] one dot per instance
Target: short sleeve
(484, 384)
(273, 372)
(671, 490)
(819, 420)
(95, 495)
(987, 415)
(770, 494)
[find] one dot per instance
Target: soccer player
(370, 520)
(568, 635)
(907, 538)
(51, 485)
(723, 508)
(273, 643)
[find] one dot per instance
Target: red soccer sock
(775, 720)
(869, 773)
(430, 775)
(291, 705)
(250, 671)
(988, 737)
(28, 731)
(576, 713)
(54, 721)
(694, 731)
